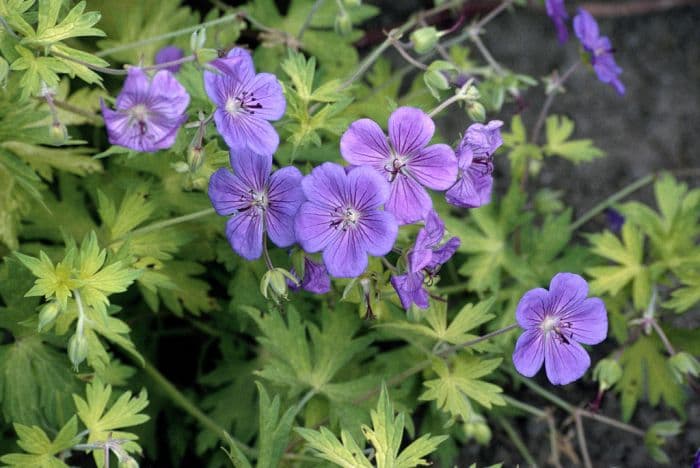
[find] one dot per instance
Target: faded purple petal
(410, 130)
(408, 200)
(586, 28)
(482, 140)
(588, 321)
(444, 253)
(434, 167)
(316, 279)
(135, 90)
(285, 196)
(557, 12)
(364, 144)
(244, 232)
(409, 288)
(472, 190)
(529, 352)
(169, 54)
(564, 362)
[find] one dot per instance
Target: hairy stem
(168, 222)
(539, 123)
(314, 8)
(664, 339)
(581, 434)
(517, 441)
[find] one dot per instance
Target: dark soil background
(654, 126)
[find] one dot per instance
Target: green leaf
(685, 297)
(345, 452)
(37, 71)
(52, 281)
(40, 450)
(559, 129)
(74, 24)
(274, 430)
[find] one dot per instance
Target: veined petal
(586, 28)
(284, 199)
(327, 185)
(588, 322)
(567, 291)
(252, 169)
(367, 188)
(565, 362)
(267, 91)
(376, 231)
(409, 288)
(472, 190)
(408, 200)
(227, 193)
(364, 143)
(238, 64)
(345, 256)
(243, 131)
(169, 54)
(432, 232)
(529, 352)
(410, 130)
(244, 232)
(434, 167)
(167, 96)
(444, 253)
(532, 308)
(135, 90)
(312, 227)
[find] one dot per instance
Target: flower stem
(525, 407)
(317, 4)
(445, 104)
(121, 71)
(539, 123)
(169, 222)
(581, 434)
(517, 441)
(453, 349)
(266, 255)
(453, 288)
(664, 338)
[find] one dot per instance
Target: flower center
(484, 163)
(549, 323)
(138, 114)
(244, 102)
(345, 218)
(554, 324)
(394, 165)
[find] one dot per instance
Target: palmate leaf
(37, 70)
(559, 129)
(40, 450)
(685, 297)
(75, 24)
(274, 429)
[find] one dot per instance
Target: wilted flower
(245, 102)
(148, 112)
(425, 258)
(557, 12)
(475, 159)
(600, 50)
(257, 202)
(342, 218)
(169, 54)
(316, 279)
(555, 322)
(405, 160)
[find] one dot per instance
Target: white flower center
(233, 106)
(345, 218)
(549, 323)
(260, 199)
(139, 112)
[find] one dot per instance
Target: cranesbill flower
(257, 201)
(555, 322)
(475, 159)
(342, 218)
(425, 259)
(599, 49)
(316, 279)
(404, 160)
(557, 12)
(169, 54)
(148, 112)
(245, 102)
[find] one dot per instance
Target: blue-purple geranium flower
(475, 159)
(257, 201)
(316, 279)
(555, 322)
(404, 159)
(148, 112)
(245, 102)
(599, 49)
(342, 218)
(425, 259)
(557, 12)
(169, 54)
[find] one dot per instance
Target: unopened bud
(477, 429)
(607, 372)
(77, 349)
(436, 80)
(58, 133)
(476, 111)
(181, 167)
(343, 23)
(197, 39)
(205, 55)
(274, 284)
(471, 93)
(195, 157)
(683, 364)
(424, 39)
(48, 314)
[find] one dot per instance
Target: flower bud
(476, 111)
(198, 38)
(477, 429)
(436, 81)
(343, 23)
(683, 364)
(471, 93)
(424, 39)
(195, 157)
(607, 372)
(181, 167)
(48, 314)
(205, 55)
(58, 133)
(77, 349)
(274, 284)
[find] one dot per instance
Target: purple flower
(600, 50)
(169, 54)
(425, 258)
(316, 279)
(404, 159)
(557, 12)
(149, 112)
(696, 462)
(555, 322)
(245, 102)
(342, 218)
(475, 158)
(257, 202)
(614, 219)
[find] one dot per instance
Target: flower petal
(564, 362)
(472, 190)
(409, 288)
(252, 169)
(246, 132)
(435, 167)
(345, 256)
(364, 144)
(377, 231)
(532, 308)
(167, 96)
(567, 291)
(312, 227)
(444, 253)
(327, 185)
(244, 232)
(285, 197)
(367, 187)
(266, 89)
(135, 90)
(588, 322)
(226, 192)
(410, 130)
(408, 200)
(169, 54)
(586, 28)
(529, 352)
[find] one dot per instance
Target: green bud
(683, 364)
(352, 3)
(343, 23)
(58, 133)
(274, 284)
(4, 71)
(436, 81)
(48, 314)
(534, 166)
(472, 93)
(424, 39)
(476, 111)
(181, 167)
(477, 429)
(200, 183)
(607, 372)
(206, 55)
(195, 157)
(77, 349)
(197, 39)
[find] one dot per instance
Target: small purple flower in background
(341, 217)
(696, 462)
(600, 50)
(405, 160)
(257, 202)
(316, 279)
(426, 257)
(148, 112)
(557, 12)
(555, 322)
(614, 220)
(245, 102)
(475, 159)
(169, 54)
